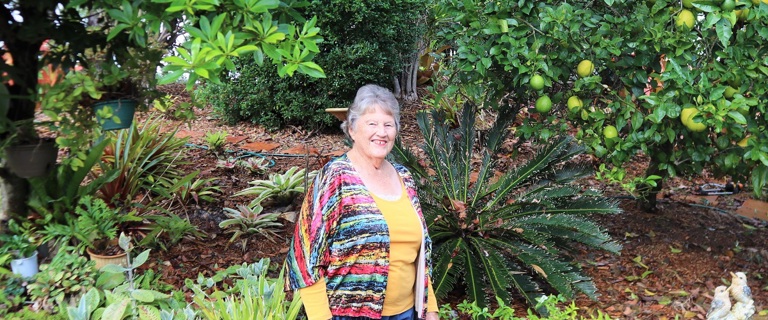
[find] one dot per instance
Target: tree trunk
(648, 194)
(25, 52)
(405, 83)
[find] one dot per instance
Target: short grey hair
(370, 96)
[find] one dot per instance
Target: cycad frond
(527, 172)
(448, 266)
(473, 276)
(495, 268)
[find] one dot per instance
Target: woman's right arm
(308, 253)
(315, 300)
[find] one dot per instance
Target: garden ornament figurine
(744, 306)
(721, 305)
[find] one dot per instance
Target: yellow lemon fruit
(585, 68)
(685, 18)
(610, 132)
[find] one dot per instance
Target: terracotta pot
(101, 260)
(32, 160)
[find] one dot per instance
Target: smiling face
(373, 134)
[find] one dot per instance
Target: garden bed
(671, 262)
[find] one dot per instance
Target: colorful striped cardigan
(341, 235)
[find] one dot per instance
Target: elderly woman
(361, 248)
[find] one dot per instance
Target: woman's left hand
(432, 316)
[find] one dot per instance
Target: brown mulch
(670, 263)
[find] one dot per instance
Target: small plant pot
(25, 267)
(339, 113)
(123, 109)
(32, 160)
(101, 260)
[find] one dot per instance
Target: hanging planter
(115, 114)
(25, 267)
(339, 113)
(32, 160)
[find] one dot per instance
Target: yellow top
(405, 239)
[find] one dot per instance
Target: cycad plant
(503, 231)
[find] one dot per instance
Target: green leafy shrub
(67, 276)
(364, 42)
(166, 230)
(548, 304)
(93, 225)
(18, 240)
(253, 296)
(126, 298)
(12, 292)
(504, 230)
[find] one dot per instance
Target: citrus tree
(684, 83)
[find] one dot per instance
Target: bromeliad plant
(250, 220)
(216, 140)
(498, 233)
(144, 158)
(280, 188)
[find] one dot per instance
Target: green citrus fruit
(503, 25)
(585, 68)
(692, 125)
(685, 18)
(728, 5)
(574, 104)
(685, 114)
(537, 82)
(688, 4)
(543, 104)
(730, 91)
(610, 132)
